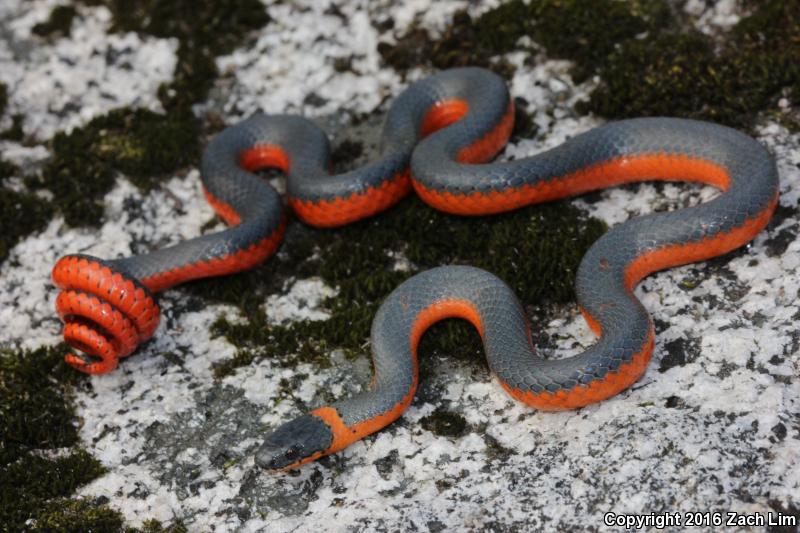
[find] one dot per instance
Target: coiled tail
(106, 313)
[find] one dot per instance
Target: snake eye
(292, 453)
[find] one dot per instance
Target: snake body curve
(436, 136)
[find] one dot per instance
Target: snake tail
(254, 210)
(106, 313)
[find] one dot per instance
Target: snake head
(303, 439)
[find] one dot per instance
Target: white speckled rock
(65, 83)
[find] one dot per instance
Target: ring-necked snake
(435, 136)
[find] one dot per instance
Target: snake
(439, 137)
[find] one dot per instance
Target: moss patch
(15, 131)
(77, 515)
(690, 75)
(59, 24)
(3, 98)
(35, 415)
(41, 464)
(33, 387)
(649, 60)
(7, 170)
(21, 213)
(31, 481)
(154, 526)
(445, 423)
(143, 145)
(525, 248)
(82, 514)
(568, 29)
(204, 28)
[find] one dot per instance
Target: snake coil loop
(106, 313)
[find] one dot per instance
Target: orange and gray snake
(437, 137)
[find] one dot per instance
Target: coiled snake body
(436, 135)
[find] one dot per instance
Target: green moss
(21, 213)
(216, 25)
(193, 78)
(83, 514)
(445, 423)
(688, 75)
(15, 132)
(669, 69)
(35, 416)
(408, 52)
(204, 28)
(525, 248)
(7, 170)
(78, 515)
(154, 526)
(34, 413)
(3, 98)
(143, 145)
(648, 62)
(568, 29)
(496, 451)
(26, 486)
(59, 23)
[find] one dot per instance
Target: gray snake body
(437, 136)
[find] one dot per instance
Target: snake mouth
(277, 458)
